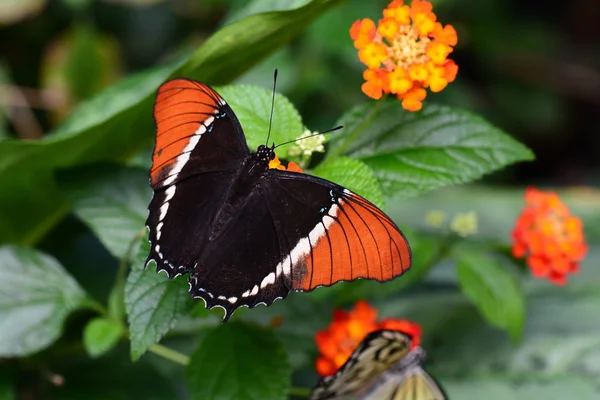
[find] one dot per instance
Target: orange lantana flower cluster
(405, 53)
(549, 236)
(276, 164)
(348, 329)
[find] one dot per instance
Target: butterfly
(248, 234)
(383, 366)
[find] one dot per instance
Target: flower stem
(354, 134)
(169, 354)
(299, 391)
(95, 305)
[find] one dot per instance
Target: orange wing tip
(184, 110)
(354, 240)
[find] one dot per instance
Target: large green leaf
(252, 106)
(111, 200)
(353, 174)
(117, 123)
(239, 361)
(237, 47)
(493, 290)
(153, 303)
(412, 153)
(245, 9)
(36, 296)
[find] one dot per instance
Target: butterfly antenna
(272, 106)
(309, 136)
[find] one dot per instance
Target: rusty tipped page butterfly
(245, 233)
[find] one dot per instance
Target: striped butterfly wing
(328, 234)
(199, 146)
(377, 353)
(417, 385)
(411, 384)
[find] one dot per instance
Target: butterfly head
(265, 154)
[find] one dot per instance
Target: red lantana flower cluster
(348, 328)
(405, 53)
(549, 237)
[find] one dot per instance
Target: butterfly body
(248, 234)
(252, 174)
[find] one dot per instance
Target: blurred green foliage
(77, 81)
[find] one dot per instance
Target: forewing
(199, 147)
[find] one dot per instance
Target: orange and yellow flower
(276, 164)
(549, 237)
(348, 328)
(405, 53)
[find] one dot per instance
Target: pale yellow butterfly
(383, 366)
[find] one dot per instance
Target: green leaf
(412, 153)
(252, 106)
(353, 174)
(100, 335)
(117, 123)
(239, 361)
(250, 40)
(111, 200)
(36, 296)
(153, 303)
(493, 290)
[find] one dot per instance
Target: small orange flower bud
(362, 32)
(399, 13)
(437, 79)
(373, 54)
(412, 100)
(446, 35)
(388, 27)
(437, 52)
(418, 72)
(451, 70)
